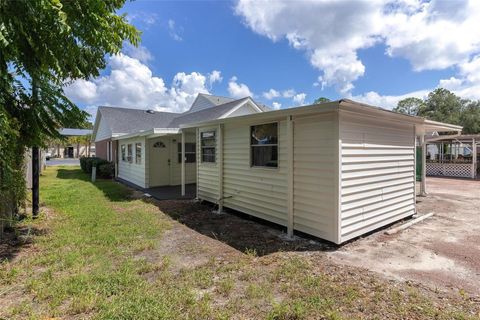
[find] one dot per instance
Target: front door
(159, 162)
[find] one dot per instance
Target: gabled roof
(123, 121)
(204, 101)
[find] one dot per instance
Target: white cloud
(271, 94)
(386, 101)
(288, 93)
(140, 53)
(431, 35)
(131, 84)
(214, 76)
(238, 90)
(174, 31)
(299, 98)
(276, 105)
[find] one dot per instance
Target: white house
(151, 155)
(335, 170)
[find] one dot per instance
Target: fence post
(94, 172)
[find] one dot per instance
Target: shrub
(86, 163)
(106, 170)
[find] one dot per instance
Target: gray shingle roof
(123, 120)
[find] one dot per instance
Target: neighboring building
(336, 170)
(149, 155)
(453, 156)
(72, 149)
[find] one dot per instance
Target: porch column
(423, 184)
(183, 163)
(220, 166)
(290, 177)
(474, 159)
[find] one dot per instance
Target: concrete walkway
(172, 192)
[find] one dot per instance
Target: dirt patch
(442, 251)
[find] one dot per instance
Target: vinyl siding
(377, 174)
(103, 131)
(314, 163)
(260, 192)
(132, 172)
(176, 167)
(207, 173)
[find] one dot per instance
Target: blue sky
(297, 51)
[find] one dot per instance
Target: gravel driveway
(442, 251)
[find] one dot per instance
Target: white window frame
(138, 155)
(214, 147)
(263, 145)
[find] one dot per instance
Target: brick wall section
(101, 149)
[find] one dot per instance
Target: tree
(43, 46)
(442, 105)
(321, 100)
(470, 117)
(411, 106)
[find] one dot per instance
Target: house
(335, 170)
(149, 142)
(453, 156)
(112, 122)
(71, 149)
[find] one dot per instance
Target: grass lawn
(99, 251)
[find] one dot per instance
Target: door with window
(159, 162)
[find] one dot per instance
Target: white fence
(464, 170)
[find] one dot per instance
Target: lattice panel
(449, 169)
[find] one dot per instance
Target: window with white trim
(190, 153)
(208, 146)
(138, 153)
(264, 145)
(124, 156)
(129, 153)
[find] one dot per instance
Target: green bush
(106, 170)
(86, 163)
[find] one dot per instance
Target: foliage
(410, 106)
(43, 46)
(86, 164)
(444, 106)
(106, 170)
(321, 100)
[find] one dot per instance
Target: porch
(173, 192)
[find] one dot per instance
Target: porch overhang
(152, 133)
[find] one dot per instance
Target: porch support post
(183, 163)
(197, 161)
(474, 159)
(423, 184)
(220, 166)
(290, 177)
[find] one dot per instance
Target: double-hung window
(208, 146)
(190, 153)
(124, 155)
(138, 153)
(129, 153)
(264, 145)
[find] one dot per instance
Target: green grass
(97, 260)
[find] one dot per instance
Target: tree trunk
(78, 150)
(58, 151)
(35, 181)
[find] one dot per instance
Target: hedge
(105, 169)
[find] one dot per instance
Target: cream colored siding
(207, 173)
(243, 110)
(132, 172)
(377, 174)
(314, 162)
(261, 192)
(103, 131)
(176, 167)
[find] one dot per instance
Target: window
(190, 153)
(129, 153)
(208, 143)
(264, 145)
(138, 153)
(124, 157)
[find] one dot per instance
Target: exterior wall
(101, 148)
(377, 174)
(103, 131)
(315, 163)
(260, 192)
(243, 110)
(132, 172)
(207, 175)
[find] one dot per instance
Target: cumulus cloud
(430, 34)
(387, 101)
(276, 105)
(271, 94)
(288, 93)
(214, 76)
(299, 98)
(238, 90)
(140, 53)
(131, 84)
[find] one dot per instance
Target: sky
(288, 53)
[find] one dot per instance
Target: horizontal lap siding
(207, 174)
(260, 192)
(315, 156)
(377, 174)
(132, 172)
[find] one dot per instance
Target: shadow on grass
(240, 231)
(115, 192)
(16, 239)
